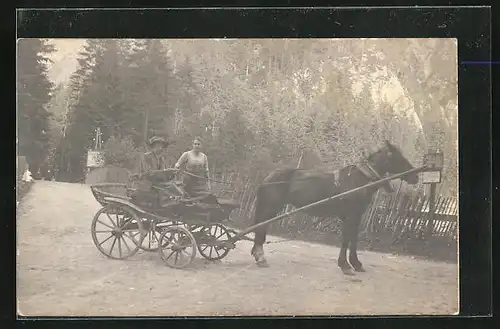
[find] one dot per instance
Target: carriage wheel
(117, 231)
(209, 237)
(177, 247)
(152, 237)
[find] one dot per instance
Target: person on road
(195, 164)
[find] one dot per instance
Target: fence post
(434, 161)
(432, 211)
(299, 163)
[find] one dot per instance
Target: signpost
(434, 160)
(95, 159)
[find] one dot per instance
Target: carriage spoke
(111, 227)
(219, 236)
(212, 235)
(169, 241)
(120, 246)
(118, 221)
(170, 255)
(123, 222)
(177, 239)
(112, 246)
(126, 244)
(100, 244)
(132, 238)
(111, 219)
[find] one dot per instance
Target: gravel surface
(61, 273)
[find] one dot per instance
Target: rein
(365, 167)
(207, 178)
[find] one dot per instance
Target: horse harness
(367, 169)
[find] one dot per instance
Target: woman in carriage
(196, 173)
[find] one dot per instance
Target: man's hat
(158, 139)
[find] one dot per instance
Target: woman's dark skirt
(195, 186)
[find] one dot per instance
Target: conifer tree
(34, 92)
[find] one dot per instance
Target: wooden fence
(108, 174)
(408, 216)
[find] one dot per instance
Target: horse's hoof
(360, 269)
(348, 271)
(262, 263)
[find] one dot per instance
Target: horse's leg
(269, 202)
(353, 255)
(258, 247)
(346, 238)
(260, 235)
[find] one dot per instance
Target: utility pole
(98, 139)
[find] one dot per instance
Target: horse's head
(390, 160)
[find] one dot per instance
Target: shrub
(121, 152)
(22, 188)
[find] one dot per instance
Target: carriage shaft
(250, 229)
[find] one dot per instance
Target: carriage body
(165, 199)
(151, 216)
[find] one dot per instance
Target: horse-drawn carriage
(156, 215)
(163, 219)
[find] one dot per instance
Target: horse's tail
(271, 196)
(276, 183)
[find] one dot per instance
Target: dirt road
(61, 273)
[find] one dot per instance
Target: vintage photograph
(237, 177)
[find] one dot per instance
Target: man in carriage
(154, 160)
(153, 182)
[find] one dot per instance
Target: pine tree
(34, 92)
(152, 89)
(100, 103)
(71, 127)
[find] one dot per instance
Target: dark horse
(301, 187)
